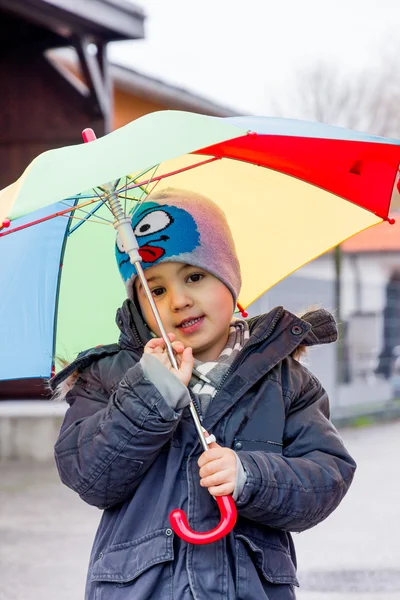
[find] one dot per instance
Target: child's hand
(218, 470)
(184, 357)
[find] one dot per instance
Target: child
(128, 444)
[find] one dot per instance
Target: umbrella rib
(144, 187)
(122, 192)
(44, 219)
(89, 214)
(83, 219)
(152, 190)
(126, 193)
(141, 184)
(182, 170)
(103, 198)
(124, 189)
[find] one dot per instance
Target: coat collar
(134, 332)
(315, 327)
(274, 336)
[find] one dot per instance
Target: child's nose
(179, 300)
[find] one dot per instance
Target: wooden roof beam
(96, 73)
(108, 20)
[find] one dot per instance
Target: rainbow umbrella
(291, 190)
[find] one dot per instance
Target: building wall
(363, 300)
(299, 293)
(128, 107)
(364, 281)
(364, 278)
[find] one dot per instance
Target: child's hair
(188, 228)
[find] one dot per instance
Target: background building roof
(380, 238)
(60, 20)
(161, 91)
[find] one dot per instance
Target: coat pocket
(142, 562)
(261, 566)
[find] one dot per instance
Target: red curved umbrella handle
(181, 527)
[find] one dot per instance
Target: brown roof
(170, 95)
(380, 238)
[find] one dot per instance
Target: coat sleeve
(300, 488)
(106, 444)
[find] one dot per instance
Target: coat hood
(320, 325)
(314, 327)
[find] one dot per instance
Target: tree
(366, 100)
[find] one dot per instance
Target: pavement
(46, 531)
(355, 553)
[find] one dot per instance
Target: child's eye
(158, 291)
(195, 277)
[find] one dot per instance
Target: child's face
(184, 293)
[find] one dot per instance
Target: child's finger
(178, 347)
(213, 453)
(158, 344)
(159, 341)
(154, 344)
(212, 467)
(187, 363)
(215, 479)
(226, 489)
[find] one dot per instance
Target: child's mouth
(191, 325)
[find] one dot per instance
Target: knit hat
(176, 225)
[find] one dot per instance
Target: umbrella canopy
(291, 190)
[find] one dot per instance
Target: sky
(250, 55)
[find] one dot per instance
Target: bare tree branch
(366, 101)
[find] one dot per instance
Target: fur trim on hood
(323, 330)
(64, 387)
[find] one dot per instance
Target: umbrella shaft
(155, 312)
(114, 202)
(124, 227)
(170, 351)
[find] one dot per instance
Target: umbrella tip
(5, 223)
(243, 312)
(391, 221)
(88, 135)
(252, 133)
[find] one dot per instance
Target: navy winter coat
(123, 449)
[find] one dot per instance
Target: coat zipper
(132, 328)
(196, 405)
(239, 357)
